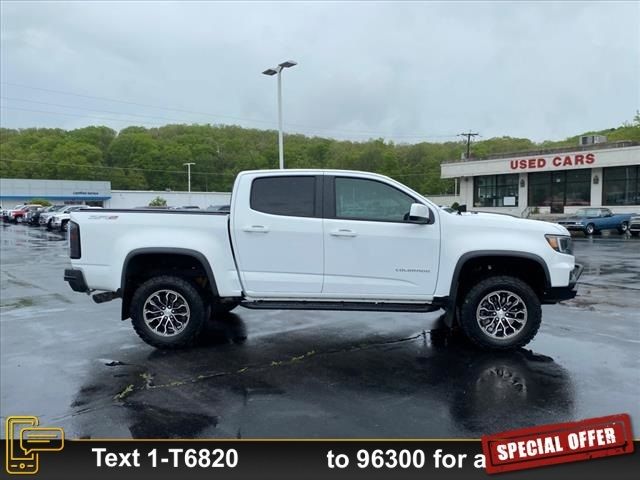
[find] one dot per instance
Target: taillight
(74, 240)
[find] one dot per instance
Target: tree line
(138, 158)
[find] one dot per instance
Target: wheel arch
(540, 281)
(171, 257)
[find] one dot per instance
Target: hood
(506, 222)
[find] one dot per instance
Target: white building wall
(137, 198)
(444, 200)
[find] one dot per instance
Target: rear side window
(290, 196)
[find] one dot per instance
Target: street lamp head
(270, 72)
(288, 64)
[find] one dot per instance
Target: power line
(309, 128)
(106, 99)
(89, 109)
(4, 107)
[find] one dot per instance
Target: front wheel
(168, 312)
(590, 229)
(500, 313)
(64, 225)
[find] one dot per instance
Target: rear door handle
(256, 229)
(344, 232)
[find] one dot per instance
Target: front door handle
(343, 232)
(256, 229)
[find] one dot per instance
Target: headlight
(560, 243)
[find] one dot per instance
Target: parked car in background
(32, 212)
(219, 208)
(33, 217)
(60, 220)
(62, 212)
(18, 215)
(595, 220)
(45, 217)
(634, 225)
(5, 213)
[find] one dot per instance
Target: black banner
(293, 459)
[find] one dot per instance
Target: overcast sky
(406, 72)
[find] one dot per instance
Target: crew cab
(322, 240)
(594, 220)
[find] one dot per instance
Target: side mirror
(419, 213)
(462, 209)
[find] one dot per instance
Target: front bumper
(558, 294)
(573, 226)
(75, 279)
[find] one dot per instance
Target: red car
(18, 215)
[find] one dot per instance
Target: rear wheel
(168, 312)
(624, 227)
(500, 312)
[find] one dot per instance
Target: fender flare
(453, 290)
(164, 250)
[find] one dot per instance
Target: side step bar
(352, 306)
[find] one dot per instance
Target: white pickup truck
(322, 240)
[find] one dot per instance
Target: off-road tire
(469, 306)
(194, 299)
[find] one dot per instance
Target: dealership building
(16, 191)
(595, 173)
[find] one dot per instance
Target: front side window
(362, 199)
(292, 196)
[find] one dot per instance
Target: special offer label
(559, 443)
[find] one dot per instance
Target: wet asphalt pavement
(299, 374)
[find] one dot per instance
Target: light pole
(189, 173)
(273, 71)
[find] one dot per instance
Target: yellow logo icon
(25, 440)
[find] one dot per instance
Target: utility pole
(468, 135)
